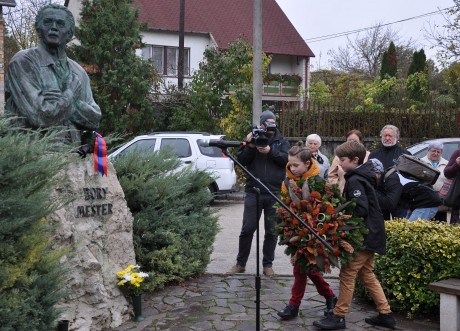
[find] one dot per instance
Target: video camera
(259, 137)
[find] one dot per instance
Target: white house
(217, 23)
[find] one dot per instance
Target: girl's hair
(302, 152)
(357, 133)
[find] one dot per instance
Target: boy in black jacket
(359, 185)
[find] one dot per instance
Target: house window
(165, 59)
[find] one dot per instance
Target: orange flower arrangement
(325, 214)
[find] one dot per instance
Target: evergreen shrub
(418, 253)
(174, 227)
(31, 277)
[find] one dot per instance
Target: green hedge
(174, 226)
(418, 253)
(31, 278)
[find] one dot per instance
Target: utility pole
(180, 60)
(257, 63)
(4, 3)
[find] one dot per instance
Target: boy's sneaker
(236, 269)
(330, 304)
(386, 320)
(289, 312)
(331, 322)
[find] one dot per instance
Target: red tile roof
(227, 20)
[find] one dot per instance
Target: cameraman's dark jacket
(269, 168)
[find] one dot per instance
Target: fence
(337, 117)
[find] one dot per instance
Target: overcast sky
(320, 18)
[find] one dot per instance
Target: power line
(346, 33)
(341, 34)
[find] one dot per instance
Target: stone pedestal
(97, 227)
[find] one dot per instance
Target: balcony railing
(284, 89)
(276, 88)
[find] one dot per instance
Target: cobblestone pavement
(227, 302)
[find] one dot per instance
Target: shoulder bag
(452, 198)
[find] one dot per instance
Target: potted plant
(272, 79)
(291, 79)
(130, 281)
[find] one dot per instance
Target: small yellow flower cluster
(130, 279)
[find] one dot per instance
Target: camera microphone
(220, 143)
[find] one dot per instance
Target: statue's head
(55, 24)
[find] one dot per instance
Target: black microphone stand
(257, 279)
(257, 190)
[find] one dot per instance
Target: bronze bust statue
(43, 87)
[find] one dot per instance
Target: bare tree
(20, 21)
(446, 36)
(364, 53)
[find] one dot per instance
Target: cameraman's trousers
(251, 216)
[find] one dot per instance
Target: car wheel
(212, 188)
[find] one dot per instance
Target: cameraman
(267, 163)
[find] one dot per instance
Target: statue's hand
(75, 86)
(52, 95)
(57, 104)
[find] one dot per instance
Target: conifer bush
(418, 253)
(109, 32)
(174, 227)
(30, 274)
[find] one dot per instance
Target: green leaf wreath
(327, 213)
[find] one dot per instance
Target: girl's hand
(293, 185)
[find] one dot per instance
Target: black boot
(386, 320)
(330, 304)
(289, 312)
(331, 322)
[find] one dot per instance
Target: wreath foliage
(328, 214)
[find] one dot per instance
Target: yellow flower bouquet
(130, 280)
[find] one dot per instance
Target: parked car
(187, 147)
(450, 145)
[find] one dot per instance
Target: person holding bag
(452, 199)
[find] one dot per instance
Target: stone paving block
(233, 307)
